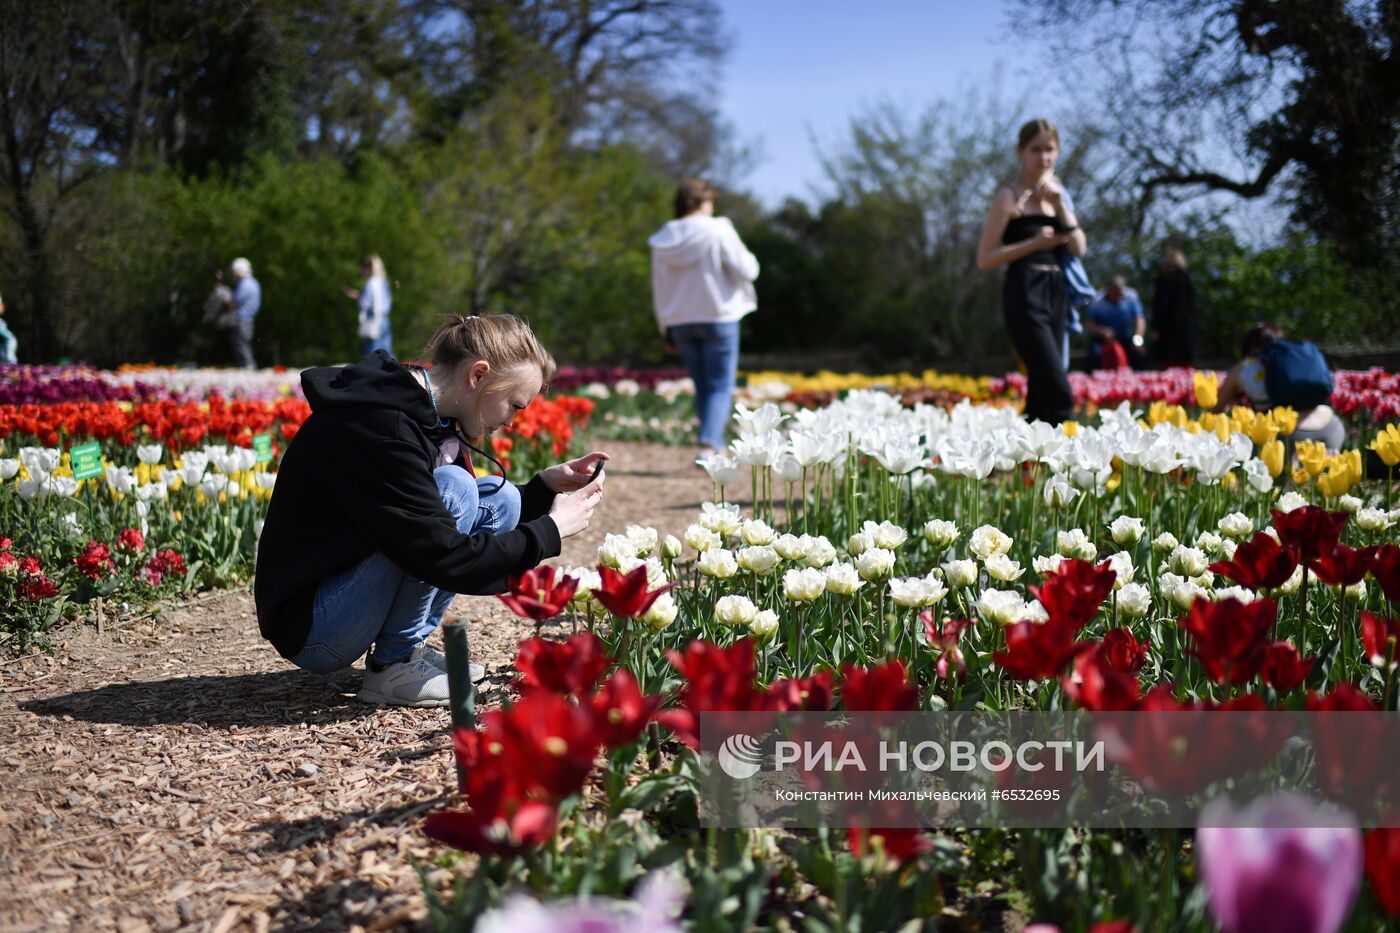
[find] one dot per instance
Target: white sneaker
(435, 657)
(414, 682)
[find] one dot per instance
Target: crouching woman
(376, 522)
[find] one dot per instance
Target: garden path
(175, 773)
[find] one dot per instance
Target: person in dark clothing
(1173, 312)
(376, 520)
(1028, 221)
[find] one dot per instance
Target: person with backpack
(1274, 372)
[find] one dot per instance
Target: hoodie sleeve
(382, 485)
(734, 255)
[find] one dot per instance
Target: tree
(1237, 95)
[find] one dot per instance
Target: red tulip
(536, 594)
(1383, 867)
(899, 845)
(946, 639)
(1124, 651)
(1260, 563)
(1343, 698)
(529, 827)
(627, 594)
(1385, 567)
(717, 679)
(1342, 565)
(809, 694)
(549, 739)
(1230, 637)
(1074, 592)
(1097, 684)
(570, 667)
(621, 711)
(1376, 635)
(881, 689)
(1310, 530)
(1284, 667)
(1038, 650)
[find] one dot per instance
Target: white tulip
(787, 469)
(758, 560)
(792, 547)
(764, 624)
(1126, 530)
(1256, 473)
(751, 423)
(1001, 606)
(1045, 566)
(723, 520)
(875, 564)
(1002, 568)
(213, 484)
(1234, 592)
(1059, 493)
(987, 541)
(1134, 601)
(661, 613)
(1121, 564)
(1209, 542)
(804, 585)
(886, 534)
(757, 532)
(8, 469)
(1291, 500)
(807, 449)
(265, 480)
(643, 539)
(735, 610)
(701, 539)
(1075, 543)
(121, 479)
(907, 592)
(1236, 525)
(1350, 504)
(723, 469)
(821, 553)
(960, 572)
(64, 486)
(859, 543)
(1188, 561)
(940, 534)
(1372, 519)
(72, 527)
(718, 563)
(1165, 542)
(615, 550)
(842, 579)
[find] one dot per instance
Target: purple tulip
(651, 912)
(1281, 864)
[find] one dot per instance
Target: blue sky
(800, 69)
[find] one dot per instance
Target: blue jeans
(711, 354)
(376, 603)
(385, 343)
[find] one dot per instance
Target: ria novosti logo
(741, 756)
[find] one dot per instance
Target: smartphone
(597, 470)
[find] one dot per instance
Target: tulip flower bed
(919, 558)
(180, 499)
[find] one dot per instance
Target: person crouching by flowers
(377, 521)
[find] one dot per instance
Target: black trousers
(1035, 307)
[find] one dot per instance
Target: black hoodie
(358, 478)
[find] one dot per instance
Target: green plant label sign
(262, 446)
(86, 460)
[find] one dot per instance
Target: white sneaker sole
(375, 698)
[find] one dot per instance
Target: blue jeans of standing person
(240, 337)
(376, 603)
(711, 354)
(385, 342)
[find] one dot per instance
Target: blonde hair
(503, 340)
(376, 265)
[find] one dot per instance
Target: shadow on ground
(269, 698)
(290, 835)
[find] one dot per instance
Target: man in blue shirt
(247, 298)
(1116, 315)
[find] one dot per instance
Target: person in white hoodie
(702, 284)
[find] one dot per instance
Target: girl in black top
(376, 522)
(1027, 221)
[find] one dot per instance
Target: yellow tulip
(1193, 427)
(1207, 389)
(1177, 415)
(1300, 476)
(1337, 480)
(1262, 431)
(143, 473)
(1353, 462)
(1157, 412)
(1229, 481)
(1312, 455)
(1271, 452)
(1387, 445)
(1070, 428)
(1285, 419)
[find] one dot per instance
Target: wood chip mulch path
(177, 774)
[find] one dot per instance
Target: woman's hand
(1052, 193)
(352, 293)
(575, 474)
(1047, 238)
(573, 511)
